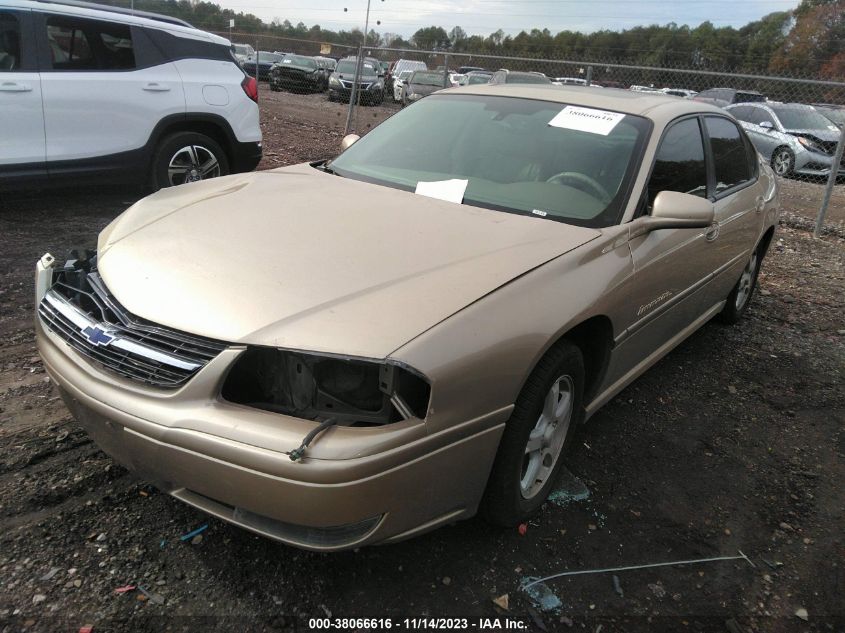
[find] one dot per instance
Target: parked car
(638, 88)
(476, 77)
(514, 77)
(457, 79)
(726, 96)
(794, 138)
(120, 97)
(327, 63)
(242, 52)
(679, 92)
(266, 59)
(465, 70)
(567, 81)
(398, 83)
(402, 384)
(421, 84)
(397, 67)
(298, 73)
(834, 113)
(370, 84)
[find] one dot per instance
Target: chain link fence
(797, 124)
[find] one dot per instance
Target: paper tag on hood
(448, 190)
(587, 120)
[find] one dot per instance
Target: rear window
(79, 44)
(748, 97)
(10, 42)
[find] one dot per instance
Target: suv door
(105, 88)
(22, 148)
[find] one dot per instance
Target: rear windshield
(427, 78)
(515, 155)
(747, 97)
(801, 118)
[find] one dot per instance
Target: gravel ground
(732, 442)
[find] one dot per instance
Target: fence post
(831, 181)
(446, 70)
(353, 95)
(589, 77)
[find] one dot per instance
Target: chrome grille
(79, 309)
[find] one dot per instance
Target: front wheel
(536, 437)
(740, 297)
(186, 157)
(783, 161)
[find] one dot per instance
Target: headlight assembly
(355, 392)
(335, 82)
(812, 145)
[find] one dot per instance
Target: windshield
(478, 79)
(348, 68)
(526, 78)
(264, 56)
(837, 116)
(801, 119)
(514, 154)
(299, 60)
(243, 49)
(427, 78)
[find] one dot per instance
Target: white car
(398, 82)
(99, 94)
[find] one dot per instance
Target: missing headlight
(354, 392)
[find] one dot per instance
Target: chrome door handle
(712, 232)
(11, 86)
(154, 87)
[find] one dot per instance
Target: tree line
(805, 42)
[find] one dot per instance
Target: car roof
(653, 105)
(117, 14)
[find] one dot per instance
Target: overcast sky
(486, 16)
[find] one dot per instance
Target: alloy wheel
(782, 163)
(743, 293)
(192, 163)
(546, 440)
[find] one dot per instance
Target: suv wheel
(187, 157)
(536, 436)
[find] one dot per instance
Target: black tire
(169, 146)
(783, 161)
(504, 502)
(740, 296)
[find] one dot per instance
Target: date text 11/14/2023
(419, 624)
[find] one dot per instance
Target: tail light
(250, 87)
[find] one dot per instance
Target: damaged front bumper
(355, 486)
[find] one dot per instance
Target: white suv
(95, 92)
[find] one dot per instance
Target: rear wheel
(740, 297)
(187, 157)
(536, 437)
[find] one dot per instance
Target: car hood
(822, 135)
(301, 259)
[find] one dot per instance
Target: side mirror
(675, 210)
(767, 125)
(348, 141)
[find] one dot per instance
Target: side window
(79, 44)
(764, 116)
(743, 113)
(730, 153)
(679, 164)
(10, 42)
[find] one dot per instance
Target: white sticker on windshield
(587, 120)
(542, 214)
(448, 190)
(287, 61)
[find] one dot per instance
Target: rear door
(22, 147)
(105, 89)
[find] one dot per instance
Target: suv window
(731, 158)
(10, 42)
(79, 44)
(679, 164)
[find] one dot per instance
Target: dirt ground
(732, 442)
